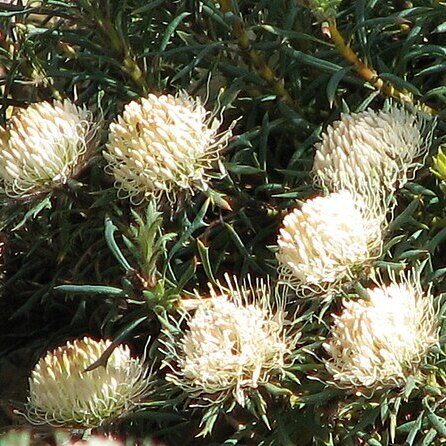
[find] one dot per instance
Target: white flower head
(326, 241)
(234, 341)
(43, 146)
(62, 392)
(381, 341)
(162, 145)
(376, 147)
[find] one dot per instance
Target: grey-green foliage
(80, 261)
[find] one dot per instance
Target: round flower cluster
(43, 146)
(162, 145)
(377, 147)
(230, 345)
(380, 341)
(325, 241)
(63, 392)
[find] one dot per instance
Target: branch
(254, 57)
(368, 73)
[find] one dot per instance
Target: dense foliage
(78, 260)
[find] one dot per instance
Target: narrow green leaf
(411, 254)
(405, 216)
(429, 438)
(435, 68)
(412, 428)
(34, 211)
(306, 59)
(209, 419)
(203, 252)
(410, 386)
(196, 61)
(276, 390)
(263, 141)
(239, 169)
(16, 12)
(102, 361)
(332, 85)
(110, 229)
(438, 423)
(441, 28)
(367, 419)
(170, 29)
(216, 16)
(401, 84)
(145, 9)
(317, 398)
(436, 240)
(89, 289)
(438, 91)
(196, 224)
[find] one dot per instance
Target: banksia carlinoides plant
(163, 145)
(234, 341)
(62, 392)
(381, 341)
(379, 148)
(43, 146)
(326, 241)
(327, 180)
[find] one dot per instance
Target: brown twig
(254, 57)
(368, 73)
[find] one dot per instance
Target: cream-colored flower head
(326, 241)
(371, 147)
(381, 341)
(62, 392)
(234, 341)
(162, 145)
(43, 146)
